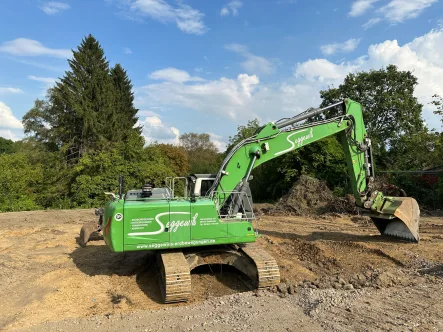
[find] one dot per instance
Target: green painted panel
(192, 243)
(238, 229)
(208, 226)
(113, 225)
(145, 222)
(180, 221)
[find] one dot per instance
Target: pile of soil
(343, 205)
(310, 197)
(382, 184)
(307, 197)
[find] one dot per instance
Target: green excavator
(213, 221)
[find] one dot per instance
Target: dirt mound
(307, 197)
(382, 183)
(343, 205)
(311, 197)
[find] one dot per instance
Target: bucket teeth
(405, 222)
(397, 228)
(409, 238)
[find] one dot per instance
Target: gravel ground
(337, 275)
(309, 310)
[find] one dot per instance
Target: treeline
(86, 133)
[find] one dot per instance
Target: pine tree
(84, 99)
(126, 113)
(91, 108)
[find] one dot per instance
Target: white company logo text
(171, 225)
(298, 141)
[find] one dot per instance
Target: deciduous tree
(203, 155)
(389, 107)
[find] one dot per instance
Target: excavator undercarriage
(250, 259)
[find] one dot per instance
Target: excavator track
(175, 276)
(249, 258)
(267, 268)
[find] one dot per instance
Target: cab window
(206, 185)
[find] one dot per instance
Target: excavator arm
(394, 216)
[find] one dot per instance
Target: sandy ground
(343, 275)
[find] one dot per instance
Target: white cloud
(49, 80)
(10, 90)
(127, 50)
(423, 57)
(7, 119)
(237, 48)
(224, 11)
(9, 134)
(218, 141)
(395, 11)
(401, 10)
(246, 98)
(154, 130)
(29, 47)
(226, 97)
(360, 7)
(54, 7)
(39, 64)
(231, 8)
(345, 47)
(247, 83)
(147, 113)
(174, 75)
(373, 21)
(187, 19)
(238, 99)
(253, 63)
(323, 70)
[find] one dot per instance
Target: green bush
(18, 181)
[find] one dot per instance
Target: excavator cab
(200, 184)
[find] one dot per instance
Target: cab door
(180, 223)
(208, 225)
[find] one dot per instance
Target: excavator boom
(393, 216)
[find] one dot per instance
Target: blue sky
(210, 65)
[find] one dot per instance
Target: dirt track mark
(368, 249)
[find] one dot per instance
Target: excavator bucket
(87, 230)
(400, 218)
(91, 228)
